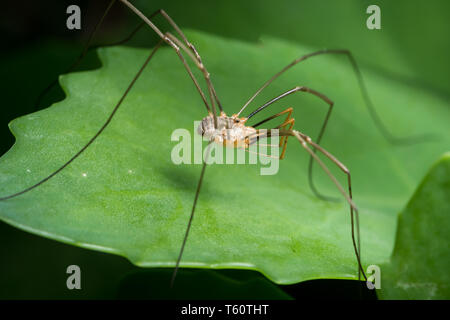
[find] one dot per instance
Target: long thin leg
(349, 181)
(368, 102)
(288, 110)
(138, 74)
(288, 120)
(200, 66)
(304, 141)
(171, 42)
(193, 53)
(197, 193)
(321, 132)
(188, 69)
(259, 134)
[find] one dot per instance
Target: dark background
(36, 47)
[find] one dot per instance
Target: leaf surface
(418, 268)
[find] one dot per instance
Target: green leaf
(125, 196)
(419, 265)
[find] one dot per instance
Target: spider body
(230, 131)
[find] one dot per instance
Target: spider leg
(283, 141)
(191, 217)
(305, 141)
(170, 40)
(362, 87)
(103, 127)
(193, 53)
(202, 68)
(288, 121)
(319, 137)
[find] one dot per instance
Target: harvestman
(217, 127)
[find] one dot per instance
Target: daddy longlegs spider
(213, 124)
